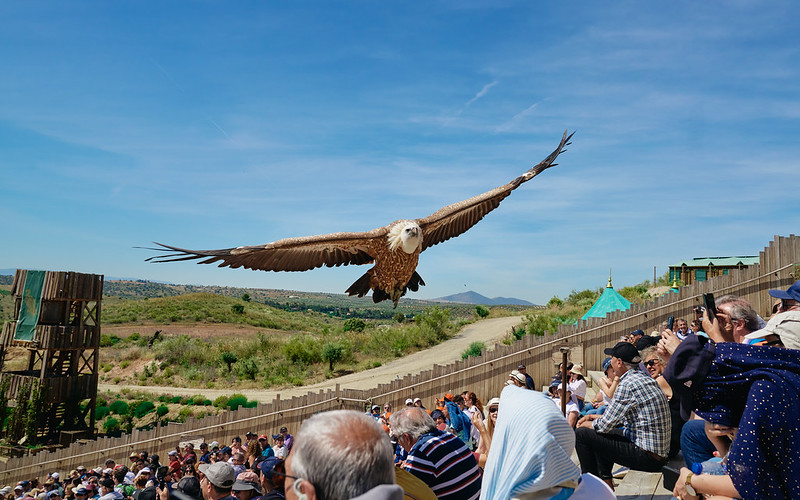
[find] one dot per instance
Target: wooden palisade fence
(779, 266)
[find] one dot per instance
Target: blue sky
(218, 124)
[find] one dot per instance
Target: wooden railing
(779, 266)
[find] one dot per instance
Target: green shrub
(303, 349)
(119, 407)
(222, 401)
(108, 340)
(133, 337)
(124, 364)
(251, 404)
(354, 325)
(236, 401)
(175, 400)
(474, 349)
(185, 413)
(111, 425)
(162, 410)
(164, 398)
(237, 308)
(246, 297)
(143, 409)
(207, 402)
(101, 412)
(247, 369)
(481, 311)
(197, 399)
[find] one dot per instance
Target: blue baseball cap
(791, 293)
(606, 363)
(267, 466)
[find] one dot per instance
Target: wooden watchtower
(56, 326)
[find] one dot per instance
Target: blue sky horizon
(218, 124)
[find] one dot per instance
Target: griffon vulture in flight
(394, 248)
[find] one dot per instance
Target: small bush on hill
(474, 349)
(236, 401)
(481, 311)
(101, 412)
(354, 325)
(111, 425)
(143, 409)
(162, 410)
(119, 407)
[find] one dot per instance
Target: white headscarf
(531, 447)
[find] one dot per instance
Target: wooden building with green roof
(704, 268)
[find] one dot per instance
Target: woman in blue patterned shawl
(753, 388)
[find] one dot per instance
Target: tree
(332, 352)
(481, 311)
(237, 308)
(246, 297)
(399, 317)
(229, 358)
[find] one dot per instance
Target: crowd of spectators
(721, 389)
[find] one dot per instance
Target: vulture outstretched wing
(290, 254)
(457, 218)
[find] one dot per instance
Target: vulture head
(405, 234)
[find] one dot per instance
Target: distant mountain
(471, 297)
(7, 272)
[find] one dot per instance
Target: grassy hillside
(208, 308)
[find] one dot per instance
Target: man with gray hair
(340, 455)
(438, 458)
(736, 318)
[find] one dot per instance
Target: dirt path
(489, 331)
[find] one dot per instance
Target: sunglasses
(651, 362)
(493, 409)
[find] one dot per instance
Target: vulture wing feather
(458, 218)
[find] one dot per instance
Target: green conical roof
(609, 301)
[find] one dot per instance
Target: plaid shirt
(642, 408)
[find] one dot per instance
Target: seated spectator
(457, 420)
(216, 480)
(530, 454)
(237, 460)
(190, 486)
(266, 449)
(486, 429)
(279, 447)
(608, 385)
(439, 418)
(572, 412)
(640, 408)
(439, 459)
(790, 298)
(754, 389)
(246, 486)
(254, 454)
(272, 478)
(655, 365)
(529, 383)
(288, 439)
(557, 376)
(517, 379)
(577, 385)
(782, 330)
(340, 455)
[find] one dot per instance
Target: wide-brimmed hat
(785, 325)
(578, 370)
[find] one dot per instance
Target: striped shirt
(642, 408)
(446, 465)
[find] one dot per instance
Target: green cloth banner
(31, 303)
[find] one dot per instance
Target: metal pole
(564, 353)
